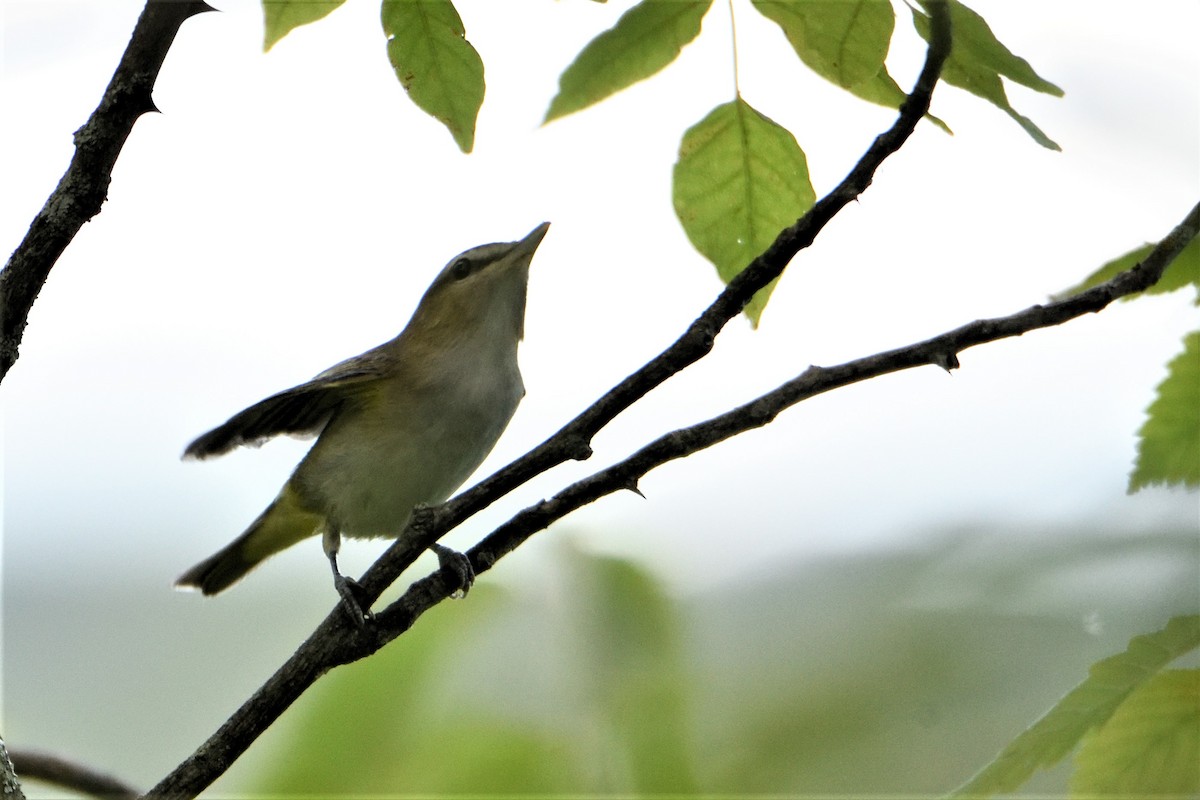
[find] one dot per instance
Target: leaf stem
(737, 86)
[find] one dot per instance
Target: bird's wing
(300, 411)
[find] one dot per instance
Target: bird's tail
(283, 524)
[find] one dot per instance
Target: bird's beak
(527, 246)
(520, 253)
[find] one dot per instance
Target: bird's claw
(458, 566)
(353, 599)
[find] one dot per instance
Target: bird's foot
(458, 566)
(353, 599)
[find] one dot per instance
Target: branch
(84, 186)
(941, 350)
(335, 642)
(69, 775)
(10, 787)
(573, 441)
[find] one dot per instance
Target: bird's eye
(461, 269)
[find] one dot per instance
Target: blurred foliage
(379, 722)
(882, 673)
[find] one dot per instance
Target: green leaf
(973, 36)
(645, 39)
(435, 63)
(978, 60)
(282, 16)
(1169, 441)
(843, 41)
(1183, 271)
(883, 90)
(740, 179)
(1087, 706)
(1151, 745)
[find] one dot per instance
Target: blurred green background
(888, 672)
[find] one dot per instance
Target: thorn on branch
(143, 103)
(632, 486)
(946, 359)
(702, 336)
(577, 448)
(762, 413)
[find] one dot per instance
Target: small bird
(402, 424)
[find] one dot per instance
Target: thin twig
(10, 787)
(84, 186)
(336, 642)
(941, 350)
(58, 771)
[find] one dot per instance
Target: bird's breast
(412, 441)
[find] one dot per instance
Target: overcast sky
(286, 210)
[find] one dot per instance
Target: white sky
(286, 211)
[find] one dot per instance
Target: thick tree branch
(336, 642)
(69, 775)
(84, 186)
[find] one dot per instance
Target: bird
(401, 425)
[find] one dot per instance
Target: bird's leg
(347, 588)
(458, 565)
